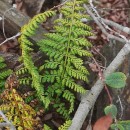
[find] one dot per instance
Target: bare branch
(116, 25)
(89, 99)
(109, 36)
(8, 123)
(113, 24)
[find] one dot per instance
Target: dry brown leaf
(93, 67)
(103, 123)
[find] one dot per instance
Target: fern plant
(46, 127)
(55, 80)
(26, 46)
(24, 77)
(4, 73)
(65, 126)
(65, 48)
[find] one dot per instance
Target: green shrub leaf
(116, 80)
(112, 110)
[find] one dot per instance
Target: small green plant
(46, 127)
(121, 125)
(116, 80)
(65, 126)
(56, 80)
(112, 110)
(4, 73)
(27, 47)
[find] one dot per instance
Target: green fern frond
(65, 48)
(25, 81)
(62, 110)
(79, 51)
(82, 42)
(70, 97)
(72, 85)
(2, 65)
(76, 74)
(21, 71)
(76, 23)
(46, 127)
(29, 99)
(26, 46)
(4, 73)
(30, 29)
(66, 125)
(48, 78)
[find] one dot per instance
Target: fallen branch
(89, 99)
(116, 25)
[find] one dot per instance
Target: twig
(11, 38)
(108, 93)
(62, 3)
(103, 78)
(122, 109)
(89, 127)
(117, 9)
(109, 36)
(113, 24)
(8, 123)
(1, 18)
(105, 60)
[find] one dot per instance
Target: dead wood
(14, 20)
